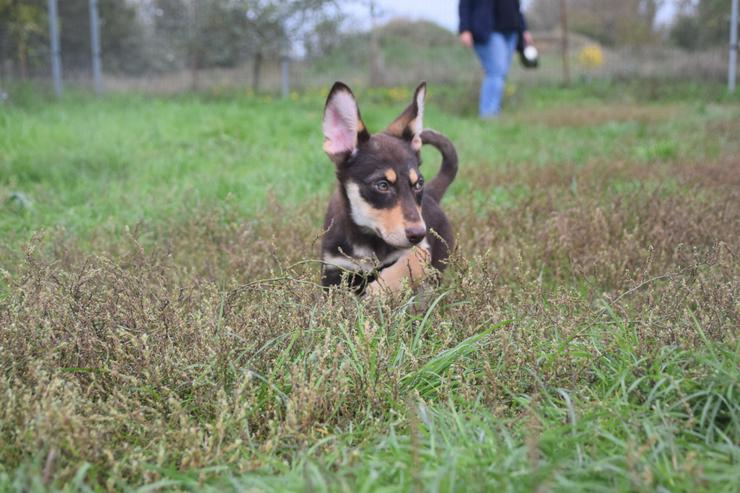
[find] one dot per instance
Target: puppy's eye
(419, 185)
(382, 186)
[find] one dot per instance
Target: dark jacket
(481, 17)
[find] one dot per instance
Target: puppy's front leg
(412, 266)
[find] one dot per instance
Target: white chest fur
(363, 259)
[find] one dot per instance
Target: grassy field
(161, 326)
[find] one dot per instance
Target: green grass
(161, 327)
(85, 164)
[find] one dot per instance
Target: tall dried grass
(209, 343)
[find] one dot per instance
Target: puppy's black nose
(416, 233)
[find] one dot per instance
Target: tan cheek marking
(391, 218)
(391, 176)
(412, 266)
(414, 176)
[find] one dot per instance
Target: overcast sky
(444, 12)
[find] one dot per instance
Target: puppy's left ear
(410, 123)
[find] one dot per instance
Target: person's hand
(528, 39)
(466, 38)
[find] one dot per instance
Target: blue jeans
(495, 58)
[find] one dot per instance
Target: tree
(141, 35)
(122, 37)
(278, 24)
(324, 38)
(616, 23)
(701, 24)
(609, 22)
(543, 15)
(22, 32)
(222, 33)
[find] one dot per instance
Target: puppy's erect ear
(410, 123)
(343, 126)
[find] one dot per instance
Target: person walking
(493, 29)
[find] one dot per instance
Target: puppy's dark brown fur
(384, 223)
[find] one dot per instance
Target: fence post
(564, 41)
(56, 62)
(732, 70)
(95, 45)
(285, 68)
(376, 55)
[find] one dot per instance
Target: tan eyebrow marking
(414, 176)
(391, 176)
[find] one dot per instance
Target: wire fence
(151, 46)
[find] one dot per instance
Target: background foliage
(161, 326)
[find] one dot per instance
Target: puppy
(384, 225)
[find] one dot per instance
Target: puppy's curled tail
(437, 187)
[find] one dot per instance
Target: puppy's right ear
(343, 126)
